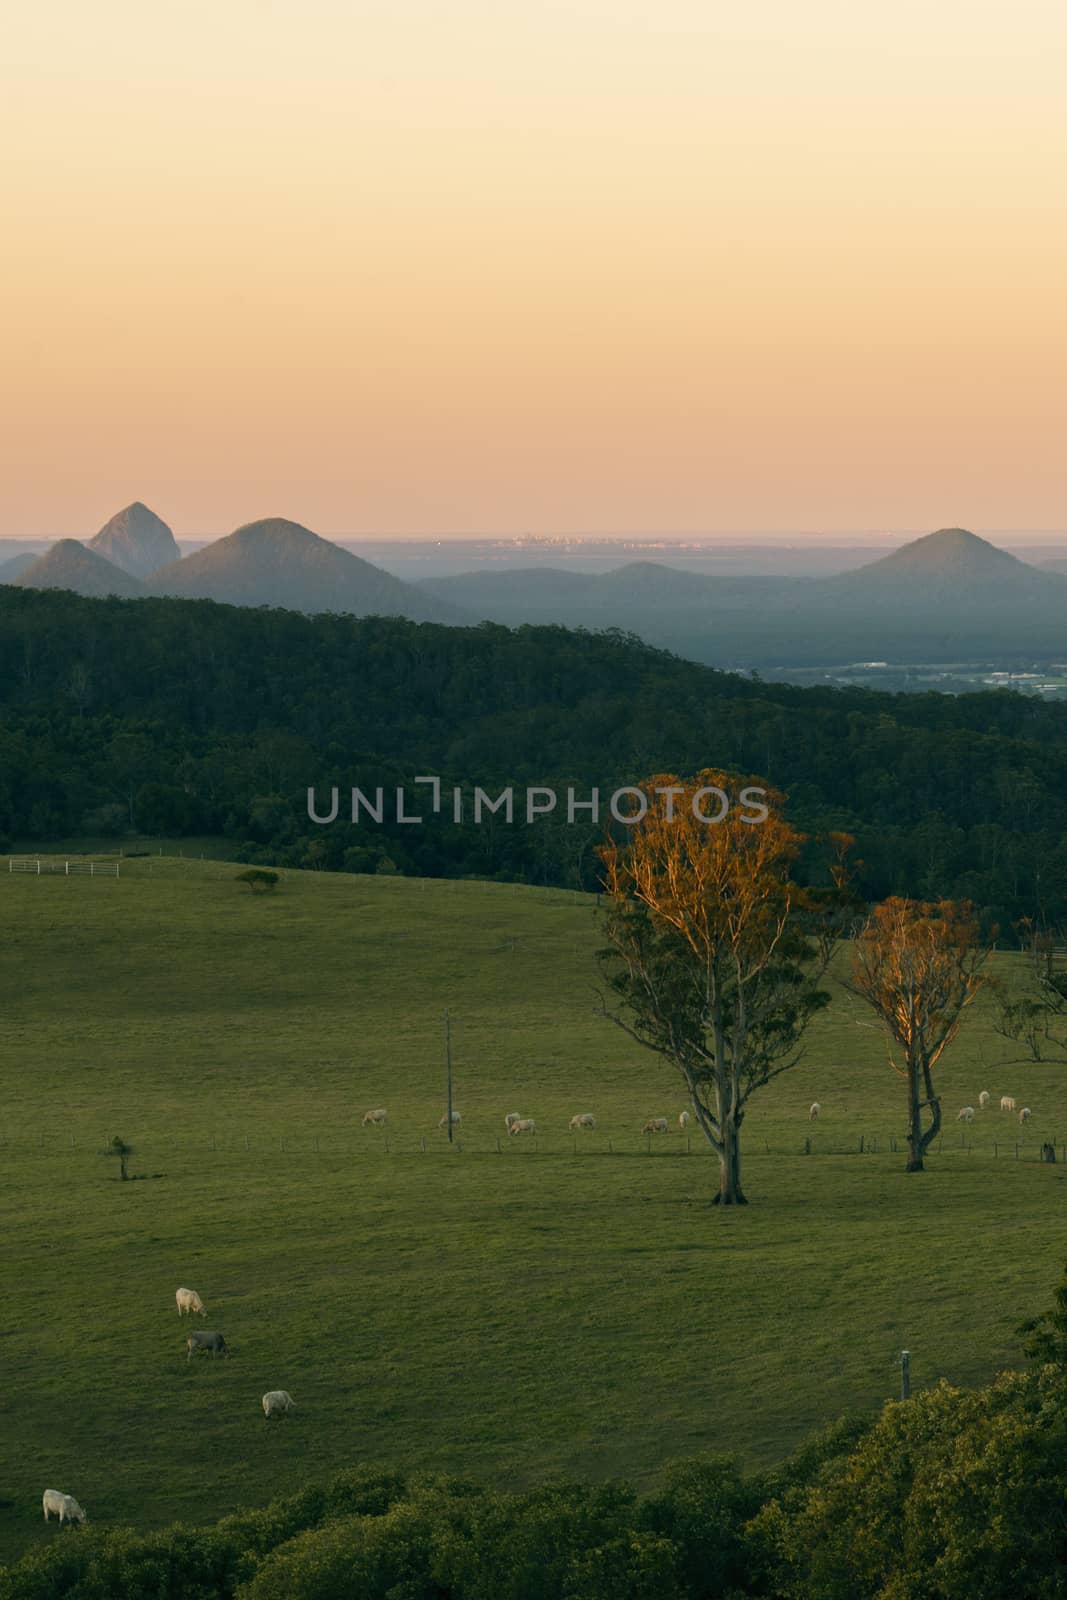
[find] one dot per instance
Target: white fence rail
(68, 869)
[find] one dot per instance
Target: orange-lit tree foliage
(714, 951)
(918, 965)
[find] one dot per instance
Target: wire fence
(377, 1142)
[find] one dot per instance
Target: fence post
(905, 1374)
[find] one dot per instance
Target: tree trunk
(730, 1191)
(915, 1132)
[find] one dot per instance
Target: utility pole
(448, 1068)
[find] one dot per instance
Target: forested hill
(174, 716)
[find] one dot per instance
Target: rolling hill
(430, 1309)
(275, 562)
(70, 565)
(136, 540)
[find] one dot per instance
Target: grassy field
(571, 1305)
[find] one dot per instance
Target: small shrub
(259, 879)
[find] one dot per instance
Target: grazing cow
(1007, 1102)
(966, 1115)
(813, 1113)
(512, 1116)
(189, 1302)
(684, 1120)
(1025, 1114)
(655, 1125)
(375, 1119)
(276, 1402)
(584, 1119)
(64, 1505)
(205, 1341)
(524, 1125)
(983, 1099)
(456, 1120)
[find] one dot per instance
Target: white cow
(65, 1506)
(655, 1125)
(524, 1125)
(375, 1119)
(584, 1119)
(512, 1116)
(189, 1302)
(276, 1402)
(966, 1115)
(1007, 1102)
(983, 1099)
(684, 1120)
(456, 1120)
(1025, 1114)
(813, 1113)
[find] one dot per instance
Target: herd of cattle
(517, 1124)
(276, 1402)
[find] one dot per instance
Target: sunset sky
(403, 266)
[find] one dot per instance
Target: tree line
(182, 718)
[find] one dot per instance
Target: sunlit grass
(550, 1304)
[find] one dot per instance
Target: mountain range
(949, 595)
(273, 562)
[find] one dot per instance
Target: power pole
(448, 1068)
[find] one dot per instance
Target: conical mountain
(951, 565)
(69, 565)
(276, 562)
(136, 540)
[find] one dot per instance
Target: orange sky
(507, 265)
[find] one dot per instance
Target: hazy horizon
(844, 538)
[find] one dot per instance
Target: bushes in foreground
(953, 1495)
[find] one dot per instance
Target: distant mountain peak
(136, 540)
(950, 560)
(71, 565)
(278, 562)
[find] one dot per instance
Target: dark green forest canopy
(180, 717)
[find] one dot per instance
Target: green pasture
(498, 1309)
